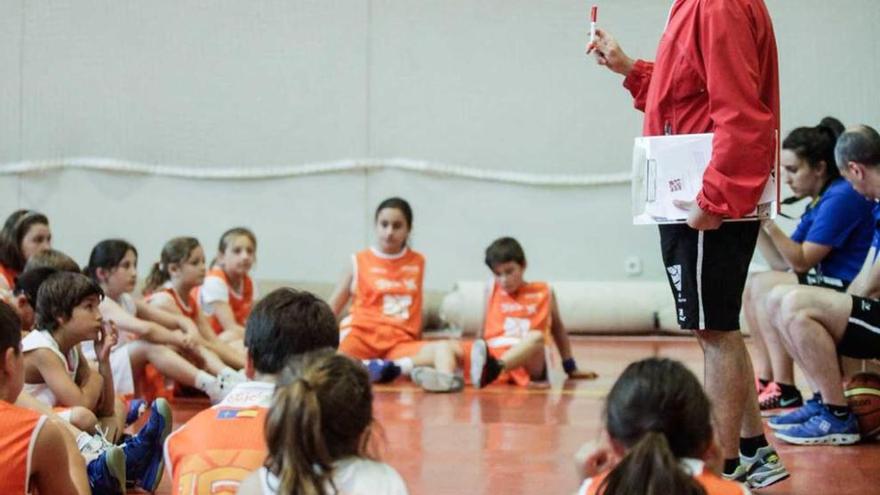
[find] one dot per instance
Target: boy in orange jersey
(518, 317)
(221, 446)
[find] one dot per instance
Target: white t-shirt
(214, 289)
(352, 476)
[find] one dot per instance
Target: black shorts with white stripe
(861, 339)
(816, 280)
(707, 272)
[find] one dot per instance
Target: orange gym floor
(511, 441)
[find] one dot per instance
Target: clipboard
(669, 168)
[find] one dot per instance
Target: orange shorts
(380, 343)
(518, 376)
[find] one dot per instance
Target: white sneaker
(432, 380)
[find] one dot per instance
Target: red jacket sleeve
(743, 149)
(637, 82)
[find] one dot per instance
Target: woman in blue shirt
(827, 249)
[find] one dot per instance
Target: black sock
(839, 412)
(817, 397)
(749, 446)
(763, 382)
(788, 390)
(730, 465)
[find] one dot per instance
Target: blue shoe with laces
(143, 452)
(106, 472)
(823, 429)
(798, 416)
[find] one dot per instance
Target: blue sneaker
(823, 429)
(143, 453)
(107, 472)
(382, 371)
(136, 409)
(799, 416)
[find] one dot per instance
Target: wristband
(569, 365)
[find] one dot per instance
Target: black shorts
(707, 272)
(816, 280)
(861, 339)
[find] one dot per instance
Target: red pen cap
(594, 13)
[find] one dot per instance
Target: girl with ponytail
(827, 249)
(317, 432)
(658, 422)
(172, 287)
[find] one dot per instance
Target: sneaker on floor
(220, 388)
(382, 371)
(824, 428)
(143, 452)
(136, 409)
(772, 398)
(800, 415)
(739, 475)
(484, 367)
(432, 380)
(759, 387)
(106, 472)
(764, 468)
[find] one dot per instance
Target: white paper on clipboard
(669, 168)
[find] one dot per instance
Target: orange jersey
(219, 447)
(20, 428)
(510, 317)
(713, 484)
(388, 292)
(8, 275)
(190, 308)
(240, 304)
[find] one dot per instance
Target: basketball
(863, 395)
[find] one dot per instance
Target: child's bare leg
(440, 355)
(83, 415)
(166, 361)
(529, 348)
(75, 461)
(213, 363)
(231, 354)
(83, 419)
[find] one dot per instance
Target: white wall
(499, 84)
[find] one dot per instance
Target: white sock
(204, 381)
(82, 439)
(229, 374)
(406, 365)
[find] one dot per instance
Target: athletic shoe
(143, 453)
(136, 409)
(773, 398)
(739, 475)
(220, 388)
(382, 371)
(107, 472)
(484, 367)
(823, 429)
(432, 380)
(796, 417)
(759, 387)
(764, 468)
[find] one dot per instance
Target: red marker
(594, 15)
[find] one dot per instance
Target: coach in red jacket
(716, 71)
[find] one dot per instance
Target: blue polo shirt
(844, 220)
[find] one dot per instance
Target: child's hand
(106, 339)
(582, 375)
(594, 458)
(187, 342)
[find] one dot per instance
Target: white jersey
(42, 339)
(352, 476)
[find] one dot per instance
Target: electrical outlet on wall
(632, 266)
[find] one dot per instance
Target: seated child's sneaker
(106, 472)
(432, 380)
(143, 452)
(382, 371)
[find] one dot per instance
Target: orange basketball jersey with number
(240, 304)
(510, 317)
(388, 292)
(190, 308)
(713, 484)
(219, 447)
(19, 428)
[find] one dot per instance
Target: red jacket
(716, 70)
